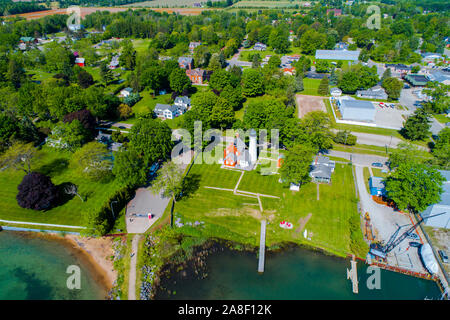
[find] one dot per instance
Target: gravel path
(132, 277)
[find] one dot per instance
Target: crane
(382, 251)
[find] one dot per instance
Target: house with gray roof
(376, 92)
(183, 102)
(352, 55)
(167, 111)
(321, 169)
(356, 110)
(186, 62)
(259, 46)
(442, 221)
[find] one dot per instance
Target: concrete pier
(352, 274)
(262, 247)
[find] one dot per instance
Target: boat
(415, 244)
(428, 259)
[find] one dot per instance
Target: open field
(161, 3)
(88, 10)
(270, 4)
(56, 164)
(306, 104)
(235, 217)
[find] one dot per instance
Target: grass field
(310, 87)
(442, 118)
(56, 164)
(237, 218)
(269, 4)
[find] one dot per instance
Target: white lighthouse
(252, 146)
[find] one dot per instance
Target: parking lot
(387, 117)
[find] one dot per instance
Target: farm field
(270, 4)
(165, 3)
(55, 164)
(237, 218)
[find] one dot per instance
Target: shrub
(37, 192)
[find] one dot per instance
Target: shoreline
(93, 252)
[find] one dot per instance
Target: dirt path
(307, 104)
(133, 262)
(302, 223)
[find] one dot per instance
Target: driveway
(357, 159)
(234, 61)
(385, 222)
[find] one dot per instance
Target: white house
(126, 92)
(184, 102)
(167, 111)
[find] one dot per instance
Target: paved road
(357, 159)
(380, 67)
(132, 277)
(235, 60)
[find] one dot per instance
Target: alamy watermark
(374, 21)
(74, 20)
(74, 280)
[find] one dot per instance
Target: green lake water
(34, 268)
(292, 274)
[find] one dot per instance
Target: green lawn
(377, 173)
(310, 87)
(56, 164)
(237, 218)
(442, 118)
(366, 174)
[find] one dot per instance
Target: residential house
(114, 62)
(377, 186)
(260, 46)
(443, 206)
(337, 12)
(341, 46)
(351, 55)
(167, 111)
(79, 61)
(125, 92)
(289, 71)
(186, 62)
(75, 27)
(321, 169)
(193, 45)
(376, 92)
(430, 57)
(183, 102)
(197, 75)
(356, 110)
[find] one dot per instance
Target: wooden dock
(353, 275)
(262, 247)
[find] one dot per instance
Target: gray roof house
(376, 92)
(167, 111)
(321, 169)
(183, 101)
(337, 55)
(356, 110)
(185, 62)
(260, 46)
(442, 221)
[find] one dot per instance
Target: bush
(345, 137)
(37, 192)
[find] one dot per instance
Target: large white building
(356, 110)
(442, 221)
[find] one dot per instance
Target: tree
(72, 189)
(219, 79)
(85, 118)
(414, 186)
(85, 79)
(202, 56)
(386, 74)
(323, 87)
(19, 156)
(217, 61)
(440, 100)
(393, 87)
(322, 66)
(105, 73)
(274, 62)
(93, 161)
(349, 82)
(256, 61)
(252, 83)
(128, 55)
(312, 40)
(233, 96)
(333, 77)
(71, 135)
(345, 137)
(222, 114)
(417, 126)
(298, 86)
(295, 167)
(129, 168)
(132, 99)
(152, 139)
(125, 111)
(279, 40)
(36, 191)
(441, 150)
(15, 72)
(169, 181)
(179, 81)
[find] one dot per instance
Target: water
(292, 274)
(35, 268)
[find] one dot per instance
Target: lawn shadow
(55, 167)
(191, 183)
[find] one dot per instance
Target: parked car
(443, 256)
(413, 236)
(406, 86)
(377, 164)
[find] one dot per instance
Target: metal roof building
(442, 221)
(337, 55)
(356, 110)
